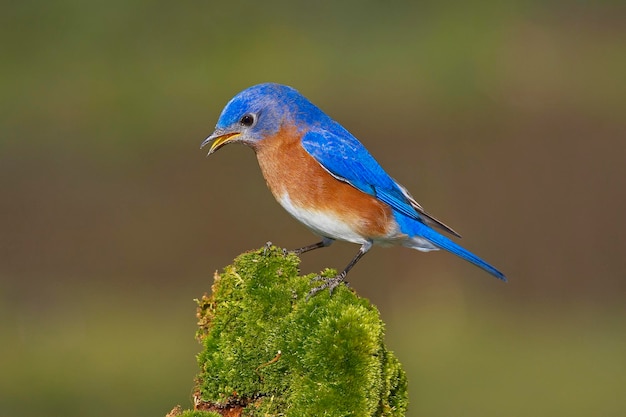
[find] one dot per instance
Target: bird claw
(330, 283)
(266, 249)
(296, 252)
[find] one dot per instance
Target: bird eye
(247, 119)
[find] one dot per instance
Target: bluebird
(325, 178)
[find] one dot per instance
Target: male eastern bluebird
(325, 178)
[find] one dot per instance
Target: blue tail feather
(415, 228)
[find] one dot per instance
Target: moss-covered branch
(268, 351)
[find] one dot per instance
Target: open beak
(218, 139)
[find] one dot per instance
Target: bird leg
(326, 241)
(334, 282)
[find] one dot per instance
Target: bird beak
(218, 139)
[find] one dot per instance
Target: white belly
(323, 223)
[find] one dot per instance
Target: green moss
(270, 351)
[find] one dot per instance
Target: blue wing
(344, 157)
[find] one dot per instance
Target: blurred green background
(504, 119)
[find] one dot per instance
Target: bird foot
(296, 252)
(330, 283)
(268, 246)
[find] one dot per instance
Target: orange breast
(289, 169)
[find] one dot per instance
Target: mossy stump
(268, 351)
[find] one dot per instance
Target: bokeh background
(504, 119)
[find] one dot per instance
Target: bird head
(259, 112)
